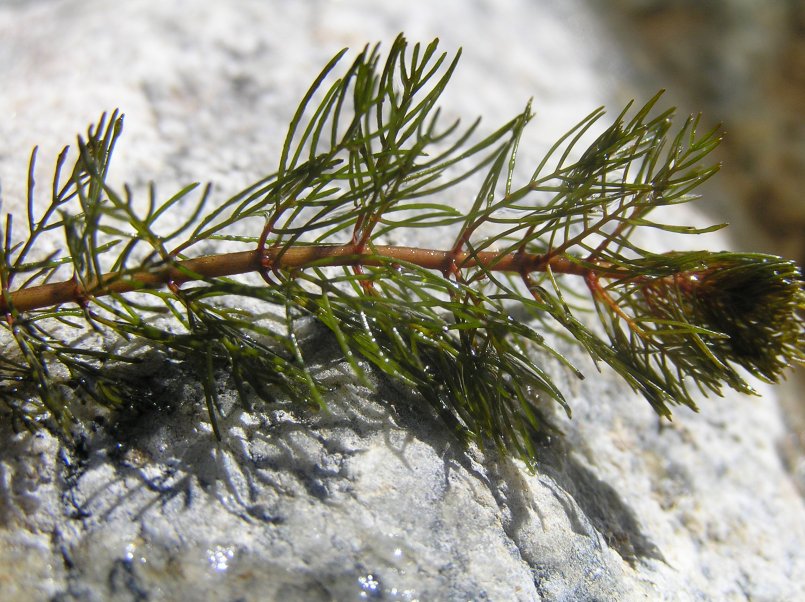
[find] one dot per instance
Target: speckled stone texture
(372, 500)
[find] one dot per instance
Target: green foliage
(367, 155)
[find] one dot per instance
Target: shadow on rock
(600, 503)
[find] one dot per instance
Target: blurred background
(743, 63)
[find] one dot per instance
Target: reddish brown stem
(231, 264)
(601, 293)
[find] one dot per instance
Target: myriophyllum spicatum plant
(367, 158)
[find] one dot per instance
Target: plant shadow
(159, 451)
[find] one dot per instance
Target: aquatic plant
(368, 157)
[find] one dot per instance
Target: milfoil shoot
(367, 160)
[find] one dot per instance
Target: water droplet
(131, 556)
(370, 586)
(219, 557)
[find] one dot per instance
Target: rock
(373, 499)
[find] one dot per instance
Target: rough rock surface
(371, 500)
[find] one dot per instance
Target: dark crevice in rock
(124, 581)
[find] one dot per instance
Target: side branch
(232, 264)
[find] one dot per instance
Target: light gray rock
(373, 499)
